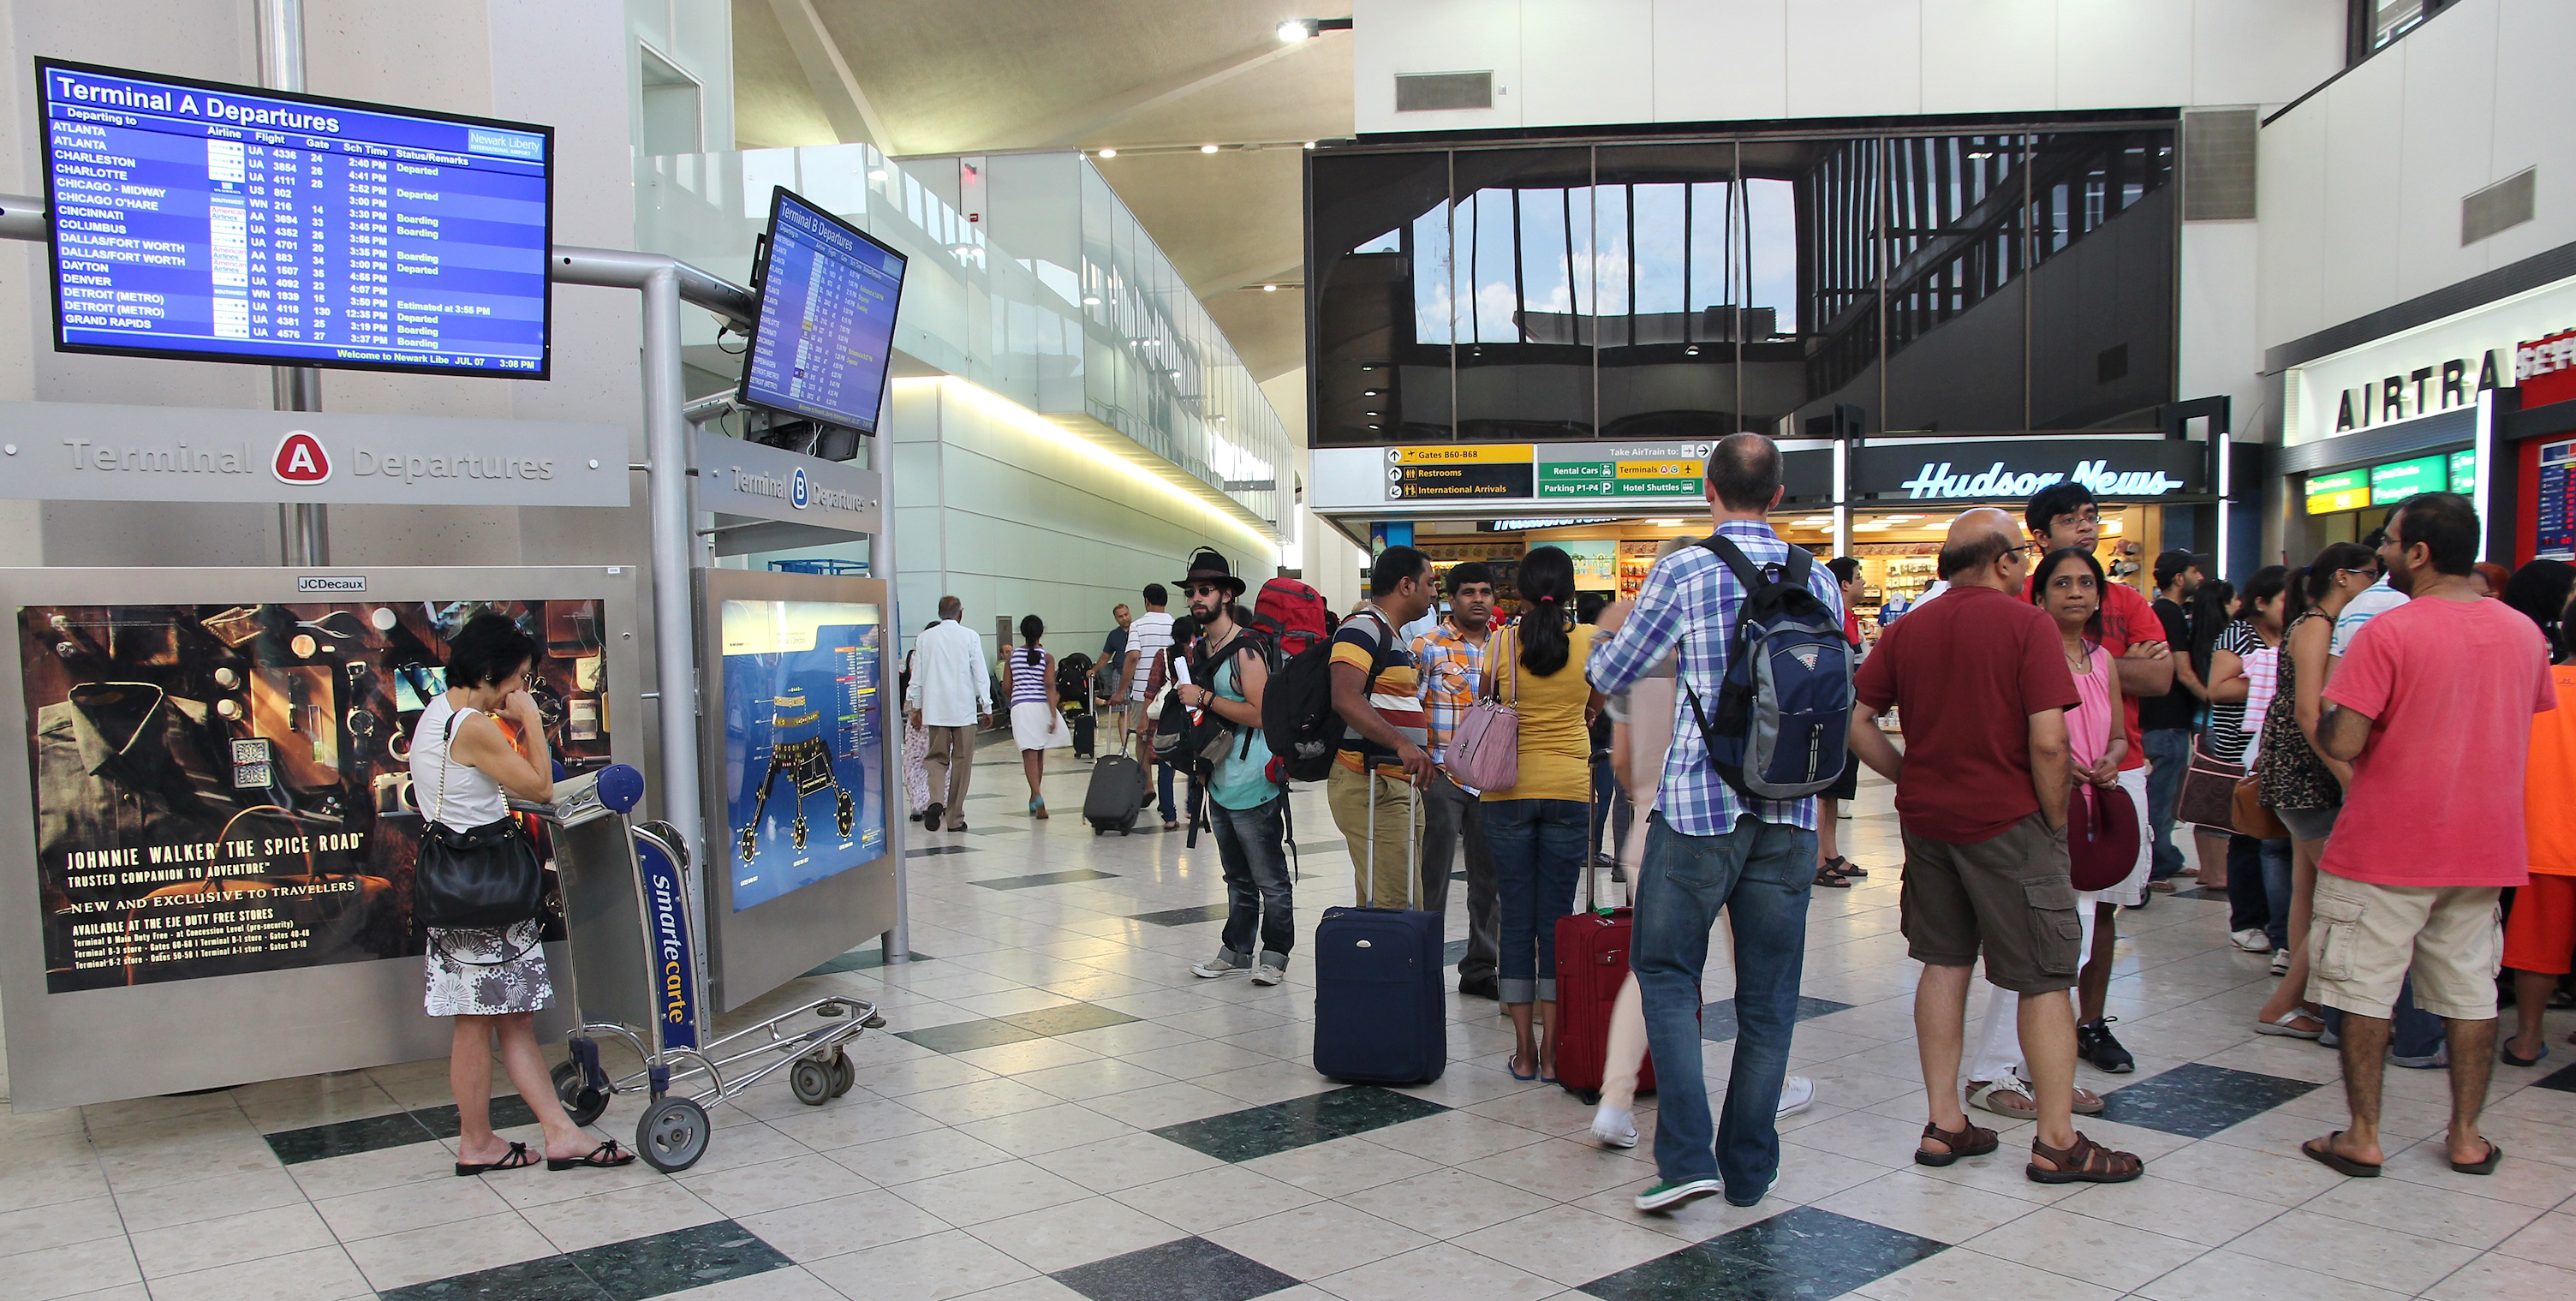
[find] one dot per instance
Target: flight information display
(827, 305)
(225, 223)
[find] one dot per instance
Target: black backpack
(1193, 746)
(1298, 720)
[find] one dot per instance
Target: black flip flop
(2495, 1153)
(518, 1157)
(2504, 1051)
(2342, 1165)
(1841, 866)
(1832, 880)
(606, 1156)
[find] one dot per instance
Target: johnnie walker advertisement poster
(224, 789)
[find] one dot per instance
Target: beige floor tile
(2230, 1276)
(401, 1259)
(1961, 1272)
(922, 1155)
(1124, 1161)
(59, 1224)
(851, 1119)
(1439, 1270)
(1098, 1077)
(206, 1244)
(595, 1221)
(1074, 1233)
(361, 1172)
(321, 1274)
(1026, 1056)
(1158, 1105)
(2116, 1256)
(1931, 1208)
(816, 1230)
(1214, 1198)
(1446, 1203)
(1340, 1167)
(2244, 1172)
(981, 1100)
(750, 1190)
(932, 1268)
(2203, 1216)
(1456, 1137)
(2550, 1240)
(2495, 1277)
(1046, 1129)
(1562, 1169)
(2357, 1253)
(990, 1192)
(2453, 1217)
(410, 1206)
(51, 1272)
(1568, 1244)
(1317, 1239)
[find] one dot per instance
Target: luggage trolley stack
(635, 979)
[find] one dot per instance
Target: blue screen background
(837, 675)
(827, 307)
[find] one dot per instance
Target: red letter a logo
(301, 460)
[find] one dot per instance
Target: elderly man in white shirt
(951, 696)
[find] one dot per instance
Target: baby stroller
(1073, 691)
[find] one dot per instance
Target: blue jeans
(1163, 787)
(1607, 801)
(1538, 852)
(1252, 846)
(2168, 757)
(1761, 873)
(2258, 887)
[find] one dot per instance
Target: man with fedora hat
(1247, 804)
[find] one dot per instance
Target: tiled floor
(1059, 1109)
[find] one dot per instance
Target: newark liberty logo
(1942, 482)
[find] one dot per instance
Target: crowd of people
(2295, 731)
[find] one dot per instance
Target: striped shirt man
(1367, 643)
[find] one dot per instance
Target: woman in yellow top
(1537, 830)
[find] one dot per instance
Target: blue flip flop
(1507, 1067)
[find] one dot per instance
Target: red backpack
(1291, 615)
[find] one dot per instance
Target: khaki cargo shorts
(2008, 897)
(2364, 938)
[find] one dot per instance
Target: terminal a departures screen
(223, 223)
(827, 305)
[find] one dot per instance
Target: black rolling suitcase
(1380, 1011)
(1116, 795)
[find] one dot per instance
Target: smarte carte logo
(300, 460)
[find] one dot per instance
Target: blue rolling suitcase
(1380, 1006)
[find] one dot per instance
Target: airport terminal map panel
(225, 223)
(804, 743)
(827, 305)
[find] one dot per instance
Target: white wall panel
(2122, 55)
(2290, 212)
(2268, 53)
(1720, 60)
(1989, 56)
(2446, 151)
(2365, 114)
(1855, 57)
(2220, 349)
(1581, 59)
(2534, 51)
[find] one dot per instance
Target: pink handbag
(1485, 752)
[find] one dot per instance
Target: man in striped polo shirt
(1376, 690)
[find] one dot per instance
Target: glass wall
(1026, 274)
(1977, 281)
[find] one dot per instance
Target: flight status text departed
(233, 225)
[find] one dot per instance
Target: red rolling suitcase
(1591, 965)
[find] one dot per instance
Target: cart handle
(621, 787)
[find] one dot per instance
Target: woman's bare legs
(2303, 898)
(2212, 852)
(469, 1077)
(1033, 762)
(2531, 991)
(1534, 1035)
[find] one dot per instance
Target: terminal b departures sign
(1596, 472)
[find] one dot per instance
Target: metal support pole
(895, 945)
(303, 528)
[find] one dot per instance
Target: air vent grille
(2499, 207)
(2218, 164)
(1433, 92)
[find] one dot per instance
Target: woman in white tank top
(492, 981)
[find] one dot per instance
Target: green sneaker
(1665, 1194)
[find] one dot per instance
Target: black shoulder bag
(486, 878)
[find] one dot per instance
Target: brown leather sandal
(1967, 1140)
(2086, 1162)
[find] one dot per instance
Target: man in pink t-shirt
(2432, 707)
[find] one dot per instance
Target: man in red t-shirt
(2065, 515)
(2432, 707)
(1980, 678)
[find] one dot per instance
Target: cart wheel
(582, 1102)
(843, 1073)
(811, 1081)
(672, 1134)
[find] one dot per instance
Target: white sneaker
(1217, 967)
(2252, 941)
(1797, 1093)
(2280, 962)
(1612, 1127)
(1266, 974)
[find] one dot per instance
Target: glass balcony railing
(1026, 276)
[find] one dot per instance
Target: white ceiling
(1154, 79)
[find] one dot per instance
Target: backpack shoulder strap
(1746, 572)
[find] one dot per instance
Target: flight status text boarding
(227, 224)
(827, 310)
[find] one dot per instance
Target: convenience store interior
(1898, 549)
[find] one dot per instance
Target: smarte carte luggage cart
(627, 910)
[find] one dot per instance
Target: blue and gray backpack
(1785, 705)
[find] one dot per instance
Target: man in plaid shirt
(1712, 847)
(1451, 658)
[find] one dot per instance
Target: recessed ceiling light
(1091, 300)
(1108, 153)
(1270, 289)
(1691, 351)
(1207, 149)
(1310, 144)
(1368, 368)
(1373, 413)
(1372, 392)
(1377, 426)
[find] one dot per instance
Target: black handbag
(485, 878)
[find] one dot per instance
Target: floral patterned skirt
(487, 972)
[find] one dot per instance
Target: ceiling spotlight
(1108, 153)
(1372, 392)
(1372, 413)
(1091, 300)
(1270, 289)
(1368, 368)
(1207, 149)
(1310, 144)
(1299, 29)
(1691, 351)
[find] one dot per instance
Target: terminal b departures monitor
(209, 222)
(828, 293)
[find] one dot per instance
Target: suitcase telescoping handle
(1413, 874)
